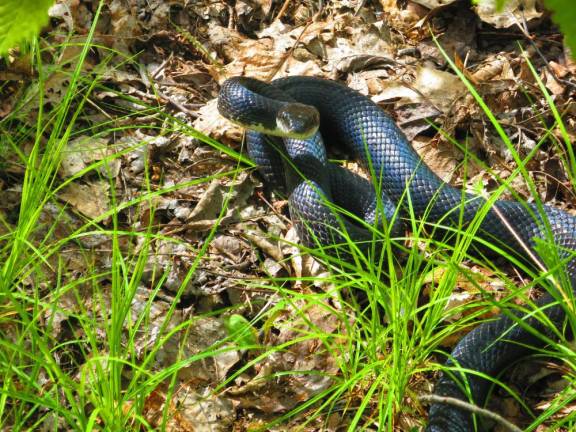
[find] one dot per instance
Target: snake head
(296, 120)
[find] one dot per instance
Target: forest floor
(153, 240)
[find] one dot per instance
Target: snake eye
(297, 120)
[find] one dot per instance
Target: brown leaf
(90, 198)
(514, 12)
(254, 58)
(440, 88)
(83, 151)
(286, 392)
(208, 210)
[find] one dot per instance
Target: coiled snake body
(353, 121)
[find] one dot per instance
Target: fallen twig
(469, 407)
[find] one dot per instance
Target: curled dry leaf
(552, 83)
(494, 67)
(431, 86)
(414, 119)
(232, 247)
(356, 39)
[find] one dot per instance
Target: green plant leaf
(564, 14)
(21, 20)
(241, 331)
(498, 3)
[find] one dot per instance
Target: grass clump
(83, 342)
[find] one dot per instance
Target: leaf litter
(184, 50)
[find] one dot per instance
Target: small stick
(435, 399)
(283, 10)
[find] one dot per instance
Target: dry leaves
(91, 199)
(282, 394)
(184, 50)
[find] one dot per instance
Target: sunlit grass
(97, 378)
(384, 340)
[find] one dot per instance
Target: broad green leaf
(564, 14)
(241, 331)
(21, 20)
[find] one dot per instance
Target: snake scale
(282, 118)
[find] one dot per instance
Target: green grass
(382, 352)
(98, 377)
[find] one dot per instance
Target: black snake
(294, 106)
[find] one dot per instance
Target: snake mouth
(296, 120)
